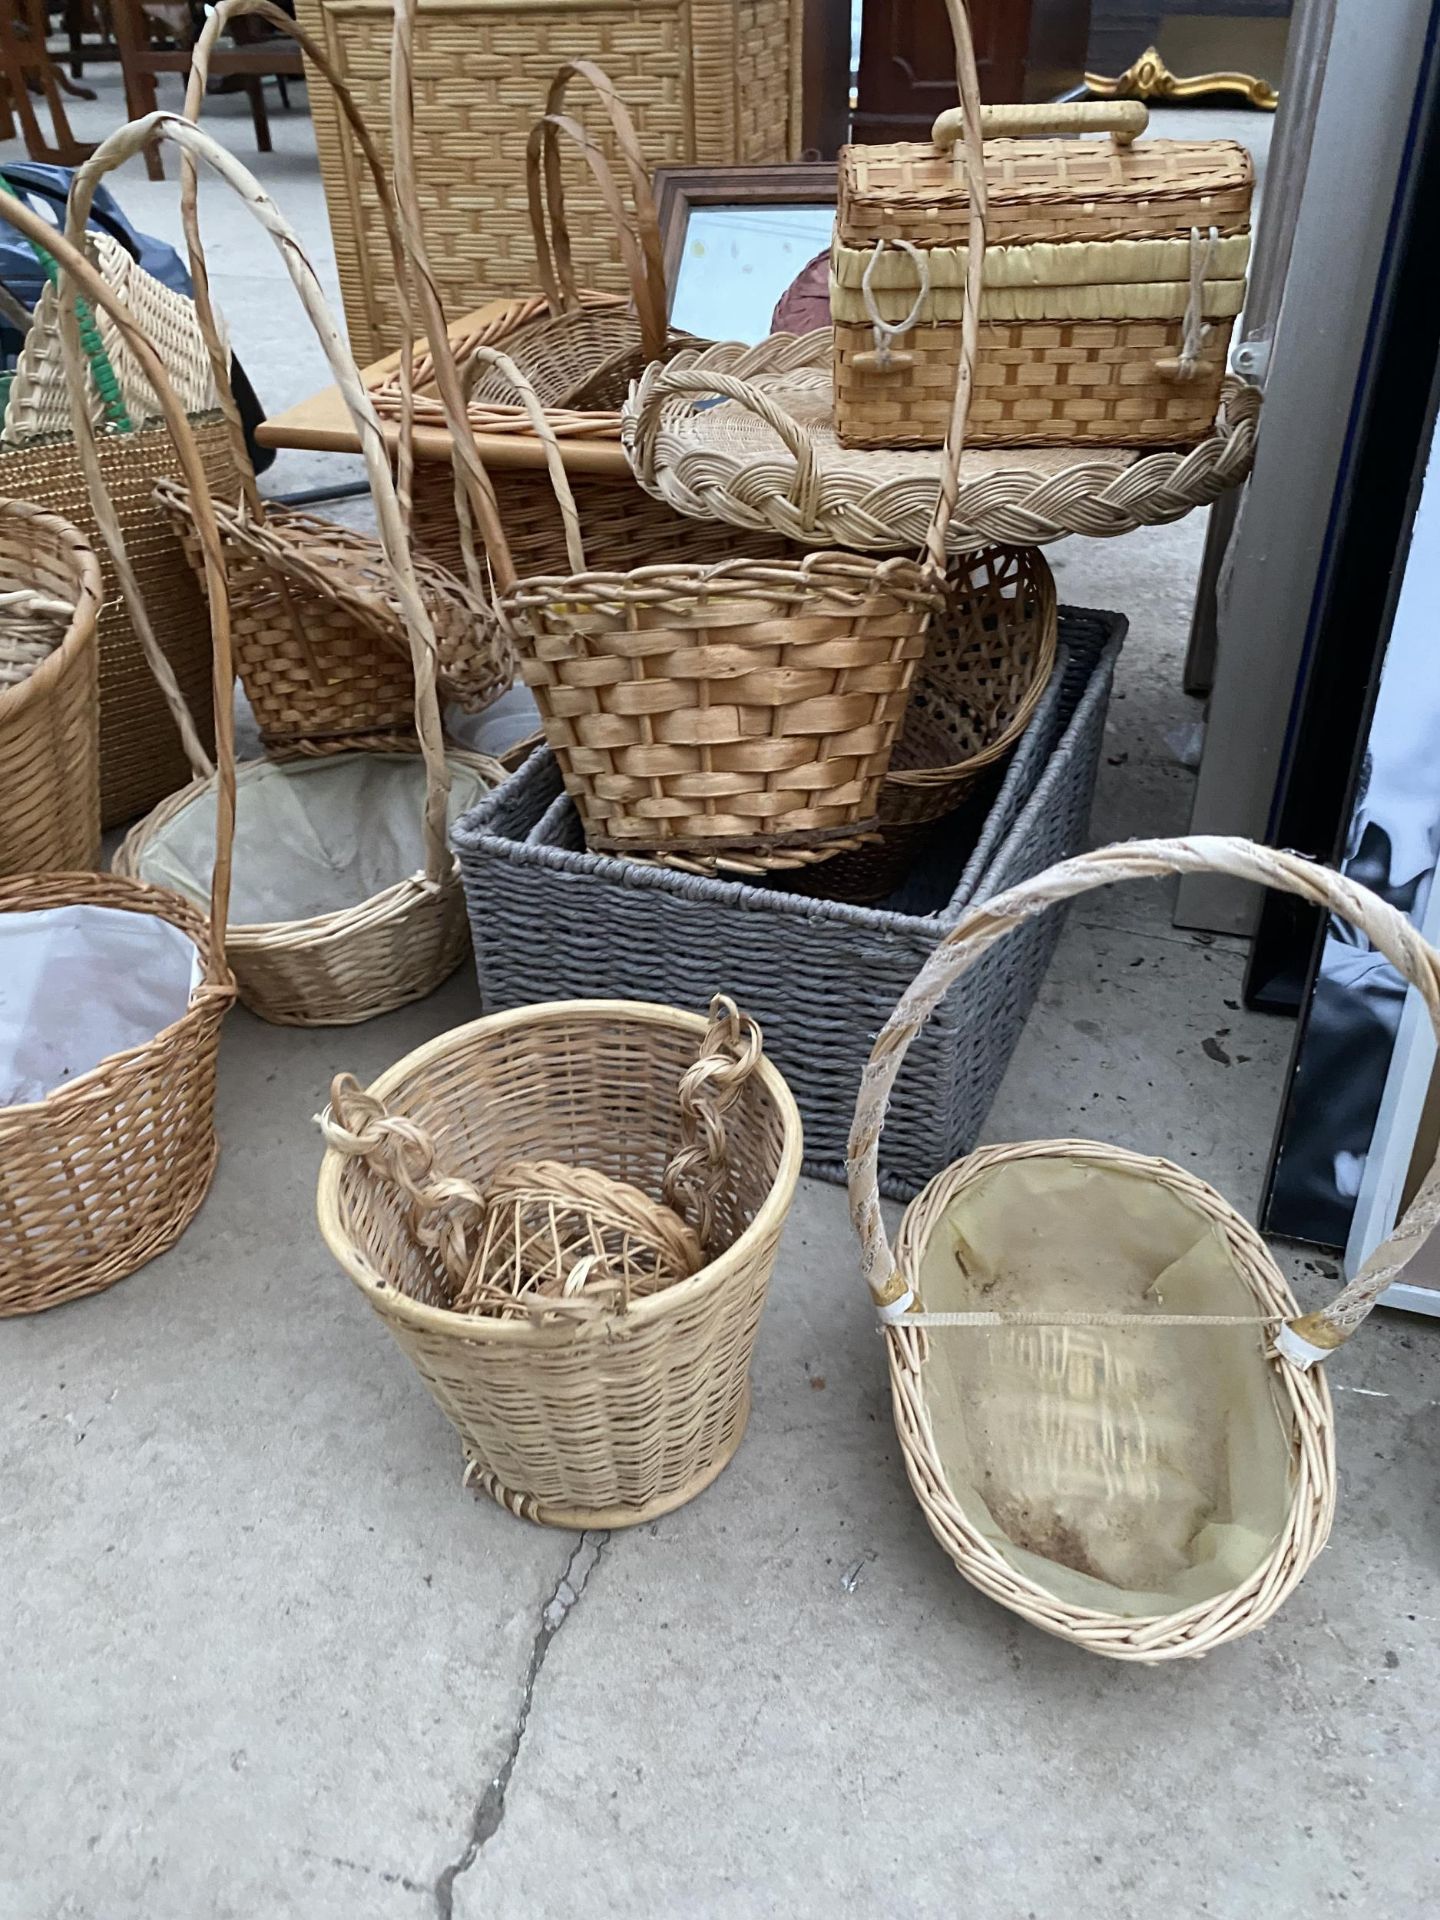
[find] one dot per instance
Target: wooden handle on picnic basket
(1301, 1341)
(192, 140)
(78, 276)
(1124, 119)
(545, 184)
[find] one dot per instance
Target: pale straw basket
(612, 1406)
(1107, 1398)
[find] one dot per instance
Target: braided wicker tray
(770, 461)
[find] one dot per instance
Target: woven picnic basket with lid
(320, 634)
(140, 757)
(49, 732)
(567, 1216)
(1105, 1392)
(1114, 271)
(349, 896)
(105, 1159)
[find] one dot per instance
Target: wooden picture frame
(680, 191)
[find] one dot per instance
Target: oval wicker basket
(597, 1418)
(397, 946)
(1102, 1384)
(108, 1170)
(50, 599)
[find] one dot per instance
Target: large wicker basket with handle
(106, 1169)
(588, 1391)
(1105, 1392)
(49, 734)
(398, 933)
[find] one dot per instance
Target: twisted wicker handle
(1304, 1340)
(121, 146)
(470, 474)
(729, 1054)
(640, 245)
(803, 492)
(1124, 119)
(79, 276)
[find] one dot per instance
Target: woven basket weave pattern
(49, 733)
(715, 82)
(610, 1423)
(551, 921)
(723, 709)
(1037, 384)
(108, 1171)
(141, 759)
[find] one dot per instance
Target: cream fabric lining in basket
(311, 836)
(79, 984)
(1124, 1470)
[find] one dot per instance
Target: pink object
(805, 303)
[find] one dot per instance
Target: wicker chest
(1113, 275)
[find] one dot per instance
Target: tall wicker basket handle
(1302, 1341)
(78, 276)
(545, 185)
(470, 473)
(695, 1178)
(1124, 119)
(480, 359)
(113, 152)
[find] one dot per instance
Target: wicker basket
(592, 1413)
(553, 921)
(320, 635)
(399, 944)
(49, 745)
(1112, 280)
(140, 757)
(107, 1171)
(1102, 1383)
(716, 83)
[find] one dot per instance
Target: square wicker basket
(1113, 276)
(707, 82)
(552, 922)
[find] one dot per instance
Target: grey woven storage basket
(553, 922)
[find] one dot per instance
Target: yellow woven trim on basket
(1162, 300)
(1071, 263)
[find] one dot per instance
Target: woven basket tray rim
(392, 1302)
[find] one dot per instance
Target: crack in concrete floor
(489, 1811)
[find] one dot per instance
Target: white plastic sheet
(311, 836)
(80, 983)
(502, 725)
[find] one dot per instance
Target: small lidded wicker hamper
(49, 693)
(497, 1196)
(1105, 1392)
(1113, 275)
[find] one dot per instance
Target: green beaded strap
(107, 386)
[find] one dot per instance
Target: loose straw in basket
(77, 275)
(132, 139)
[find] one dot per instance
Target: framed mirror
(736, 238)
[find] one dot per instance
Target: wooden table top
(322, 424)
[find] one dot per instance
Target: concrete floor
(267, 1658)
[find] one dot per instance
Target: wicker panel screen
(707, 81)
